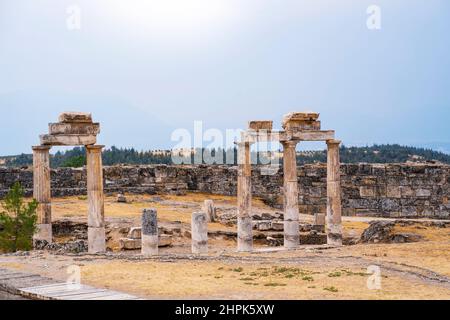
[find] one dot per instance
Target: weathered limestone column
(42, 192)
(334, 220)
(210, 210)
(149, 236)
(199, 232)
(96, 215)
(244, 198)
(291, 214)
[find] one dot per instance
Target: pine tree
(18, 222)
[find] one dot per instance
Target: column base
(96, 240)
(200, 248)
(149, 245)
(291, 234)
(44, 232)
(245, 234)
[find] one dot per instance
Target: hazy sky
(145, 67)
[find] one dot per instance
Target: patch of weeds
(238, 269)
(251, 284)
(275, 284)
(351, 273)
(218, 277)
(308, 278)
(289, 276)
(221, 268)
(82, 198)
(312, 287)
(335, 274)
(331, 289)
(247, 279)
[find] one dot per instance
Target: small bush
(18, 221)
(275, 284)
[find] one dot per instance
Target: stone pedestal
(291, 213)
(244, 199)
(96, 218)
(199, 231)
(149, 232)
(333, 219)
(42, 192)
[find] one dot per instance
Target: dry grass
(213, 280)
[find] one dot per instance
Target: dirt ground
(419, 270)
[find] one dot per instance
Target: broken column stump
(149, 232)
(210, 210)
(199, 231)
(319, 222)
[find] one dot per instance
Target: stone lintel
(261, 125)
(67, 140)
(280, 136)
(302, 125)
(301, 116)
(322, 135)
(80, 117)
(74, 128)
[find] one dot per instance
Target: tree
(74, 162)
(18, 222)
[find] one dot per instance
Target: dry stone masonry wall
(391, 190)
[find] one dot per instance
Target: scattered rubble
(76, 246)
(384, 231)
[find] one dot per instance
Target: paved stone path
(32, 286)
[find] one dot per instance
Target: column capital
(41, 148)
(243, 143)
(334, 142)
(289, 143)
(94, 147)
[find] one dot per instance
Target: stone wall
(395, 190)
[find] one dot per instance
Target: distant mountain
(373, 154)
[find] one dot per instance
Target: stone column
(199, 232)
(291, 213)
(244, 198)
(42, 192)
(334, 220)
(149, 235)
(210, 210)
(96, 216)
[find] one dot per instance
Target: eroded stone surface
(70, 116)
(68, 140)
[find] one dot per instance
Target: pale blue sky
(145, 68)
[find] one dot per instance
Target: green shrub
(18, 222)
(74, 162)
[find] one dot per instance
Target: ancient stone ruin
(73, 129)
(297, 126)
(392, 190)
